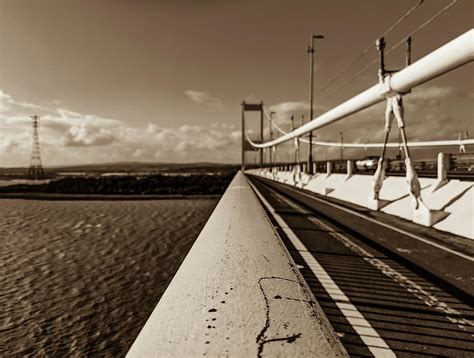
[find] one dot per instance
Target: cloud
(8, 104)
(6, 101)
(68, 136)
(289, 107)
(87, 135)
(430, 92)
(8, 144)
(428, 96)
(196, 140)
(138, 153)
(251, 98)
(205, 99)
(298, 109)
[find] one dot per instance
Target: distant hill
(126, 167)
(139, 165)
(155, 184)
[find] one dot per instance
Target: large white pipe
(431, 143)
(452, 55)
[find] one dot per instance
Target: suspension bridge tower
(35, 171)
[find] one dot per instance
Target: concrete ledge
(238, 293)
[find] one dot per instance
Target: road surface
(389, 288)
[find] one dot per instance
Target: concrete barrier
(448, 206)
(325, 184)
(461, 213)
(238, 293)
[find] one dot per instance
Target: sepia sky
(163, 80)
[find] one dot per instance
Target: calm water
(80, 278)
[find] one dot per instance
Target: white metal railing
(452, 55)
(432, 143)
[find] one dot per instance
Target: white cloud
(430, 92)
(298, 109)
(205, 99)
(251, 98)
(196, 139)
(87, 135)
(8, 104)
(7, 145)
(71, 137)
(288, 107)
(138, 153)
(6, 101)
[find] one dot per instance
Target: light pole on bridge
(341, 136)
(309, 167)
(271, 137)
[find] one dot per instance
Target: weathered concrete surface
(357, 188)
(436, 200)
(283, 176)
(237, 293)
(324, 184)
(461, 219)
(449, 204)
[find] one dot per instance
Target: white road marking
(401, 231)
(377, 346)
(412, 287)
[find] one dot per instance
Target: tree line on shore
(194, 184)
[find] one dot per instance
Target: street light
(342, 143)
(309, 167)
(271, 136)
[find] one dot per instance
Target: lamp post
(298, 142)
(271, 137)
(342, 143)
(309, 167)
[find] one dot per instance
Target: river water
(80, 278)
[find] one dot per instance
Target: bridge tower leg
(255, 107)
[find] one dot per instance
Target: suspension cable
(373, 62)
(419, 28)
(273, 124)
(390, 29)
(415, 31)
(422, 26)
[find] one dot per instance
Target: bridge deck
(384, 291)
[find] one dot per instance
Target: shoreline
(103, 197)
